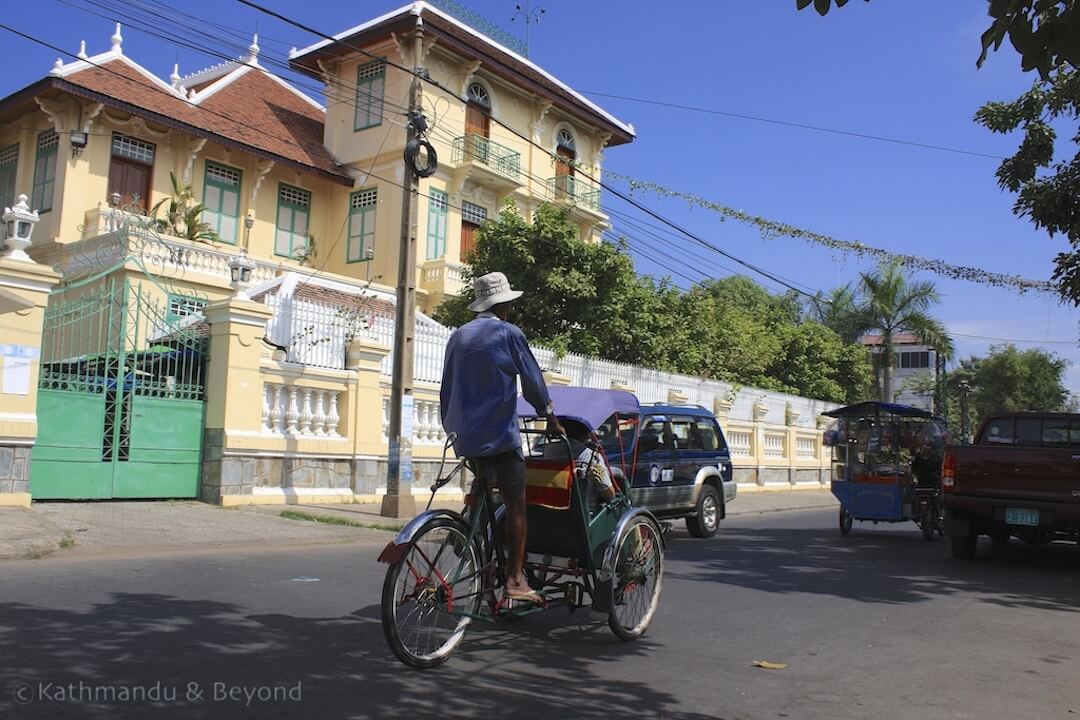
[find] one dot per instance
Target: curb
(27, 549)
(784, 509)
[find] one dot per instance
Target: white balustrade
(739, 442)
(156, 248)
(806, 448)
(427, 422)
(774, 445)
(300, 411)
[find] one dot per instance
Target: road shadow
(342, 664)
(880, 565)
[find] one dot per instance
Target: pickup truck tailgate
(1033, 474)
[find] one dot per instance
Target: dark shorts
(505, 471)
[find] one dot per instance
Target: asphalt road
(878, 625)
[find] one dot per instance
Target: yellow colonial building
(114, 159)
(194, 293)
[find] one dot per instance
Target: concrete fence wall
(316, 422)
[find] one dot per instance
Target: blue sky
(902, 70)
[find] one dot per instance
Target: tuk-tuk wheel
(845, 522)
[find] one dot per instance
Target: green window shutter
(362, 206)
(436, 228)
(294, 206)
(370, 85)
(41, 198)
(181, 306)
(221, 200)
(9, 164)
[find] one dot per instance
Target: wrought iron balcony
(477, 148)
(569, 189)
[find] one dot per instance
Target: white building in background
(914, 368)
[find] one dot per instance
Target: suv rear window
(706, 435)
(682, 427)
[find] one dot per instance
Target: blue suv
(683, 466)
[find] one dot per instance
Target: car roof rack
(676, 405)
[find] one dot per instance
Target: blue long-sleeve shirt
(478, 399)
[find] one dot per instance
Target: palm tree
(839, 311)
(893, 304)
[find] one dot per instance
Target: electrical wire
(393, 183)
(801, 126)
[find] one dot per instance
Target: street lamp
(965, 388)
(240, 268)
(19, 222)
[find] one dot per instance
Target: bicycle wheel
(635, 585)
(426, 592)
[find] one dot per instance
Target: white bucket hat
(492, 289)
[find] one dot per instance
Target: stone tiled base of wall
(15, 468)
(778, 476)
(239, 475)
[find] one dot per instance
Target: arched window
(565, 140)
(478, 95)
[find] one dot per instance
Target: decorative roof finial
(82, 50)
(175, 77)
(117, 41)
(253, 49)
(57, 67)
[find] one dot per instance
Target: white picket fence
(318, 336)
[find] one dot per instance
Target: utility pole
(398, 501)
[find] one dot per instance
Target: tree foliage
(580, 297)
(1047, 192)
(586, 298)
(1009, 380)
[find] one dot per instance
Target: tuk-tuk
(887, 465)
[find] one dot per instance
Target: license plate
(1021, 516)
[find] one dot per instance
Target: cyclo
(448, 568)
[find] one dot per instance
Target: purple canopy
(587, 405)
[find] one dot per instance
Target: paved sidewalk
(88, 528)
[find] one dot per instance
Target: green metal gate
(120, 398)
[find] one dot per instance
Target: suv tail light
(948, 473)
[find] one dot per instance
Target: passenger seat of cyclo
(592, 462)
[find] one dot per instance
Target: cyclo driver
(478, 399)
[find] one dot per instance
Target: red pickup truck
(1021, 478)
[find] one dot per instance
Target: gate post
(234, 390)
(24, 294)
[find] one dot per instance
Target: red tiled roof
(253, 111)
(897, 339)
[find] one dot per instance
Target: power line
(394, 183)
(1014, 340)
(801, 126)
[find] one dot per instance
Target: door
(689, 458)
(477, 132)
(655, 473)
(131, 179)
(564, 172)
(708, 442)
